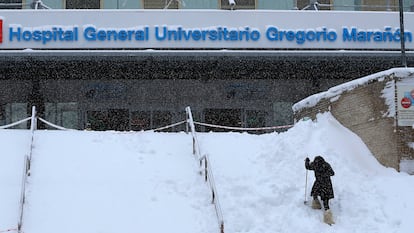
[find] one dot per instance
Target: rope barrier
(53, 125)
(12, 229)
(14, 123)
(170, 126)
(243, 129)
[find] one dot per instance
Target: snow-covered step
(14, 145)
(109, 182)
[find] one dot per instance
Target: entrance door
(225, 117)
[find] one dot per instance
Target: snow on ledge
(337, 90)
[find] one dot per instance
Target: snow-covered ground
(112, 182)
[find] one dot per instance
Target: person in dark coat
(323, 185)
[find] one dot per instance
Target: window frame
(170, 8)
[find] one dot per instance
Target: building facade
(347, 5)
(139, 67)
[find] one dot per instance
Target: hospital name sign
(46, 35)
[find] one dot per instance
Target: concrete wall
(364, 111)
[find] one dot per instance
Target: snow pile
(261, 180)
(111, 182)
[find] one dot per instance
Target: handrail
(209, 177)
(208, 174)
(26, 168)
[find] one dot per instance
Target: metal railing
(27, 159)
(208, 174)
(26, 169)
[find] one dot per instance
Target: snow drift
(110, 182)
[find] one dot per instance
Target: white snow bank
(110, 182)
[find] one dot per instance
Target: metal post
(187, 123)
(33, 122)
(194, 146)
(402, 37)
(205, 169)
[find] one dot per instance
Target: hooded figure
(322, 186)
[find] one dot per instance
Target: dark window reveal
(11, 4)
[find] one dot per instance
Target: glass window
(225, 117)
(19, 112)
(310, 4)
(83, 4)
(240, 4)
(15, 112)
(161, 4)
(161, 119)
(255, 118)
(62, 114)
(282, 113)
(118, 119)
(11, 4)
(68, 115)
(2, 114)
(379, 5)
(97, 120)
(111, 119)
(140, 120)
(50, 113)
(197, 116)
